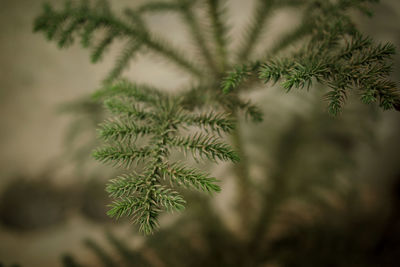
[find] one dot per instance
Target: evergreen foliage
(160, 119)
(147, 124)
(335, 55)
(328, 201)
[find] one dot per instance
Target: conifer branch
(239, 75)
(132, 47)
(204, 145)
(124, 207)
(190, 178)
(358, 65)
(215, 121)
(145, 111)
(337, 56)
(232, 102)
(147, 123)
(123, 131)
(164, 48)
(117, 106)
(93, 18)
(216, 12)
(251, 110)
(168, 199)
(125, 185)
(140, 93)
(261, 13)
(189, 16)
(122, 156)
(291, 38)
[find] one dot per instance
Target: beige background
(35, 77)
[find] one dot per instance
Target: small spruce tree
(148, 124)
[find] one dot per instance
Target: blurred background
(327, 189)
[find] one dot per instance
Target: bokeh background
(335, 182)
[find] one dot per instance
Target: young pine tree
(148, 124)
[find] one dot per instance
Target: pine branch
(216, 12)
(190, 178)
(261, 13)
(101, 47)
(123, 131)
(122, 156)
(274, 70)
(118, 107)
(92, 19)
(231, 101)
(334, 54)
(139, 93)
(204, 145)
(143, 196)
(251, 110)
(353, 45)
(215, 121)
(168, 51)
(239, 75)
(291, 38)
(142, 207)
(126, 185)
(302, 74)
(235, 78)
(124, 207)
(123, 60)
(189, 16)
(147, 220)
(168, 199)
(336, 98)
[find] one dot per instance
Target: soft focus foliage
(148, 124)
